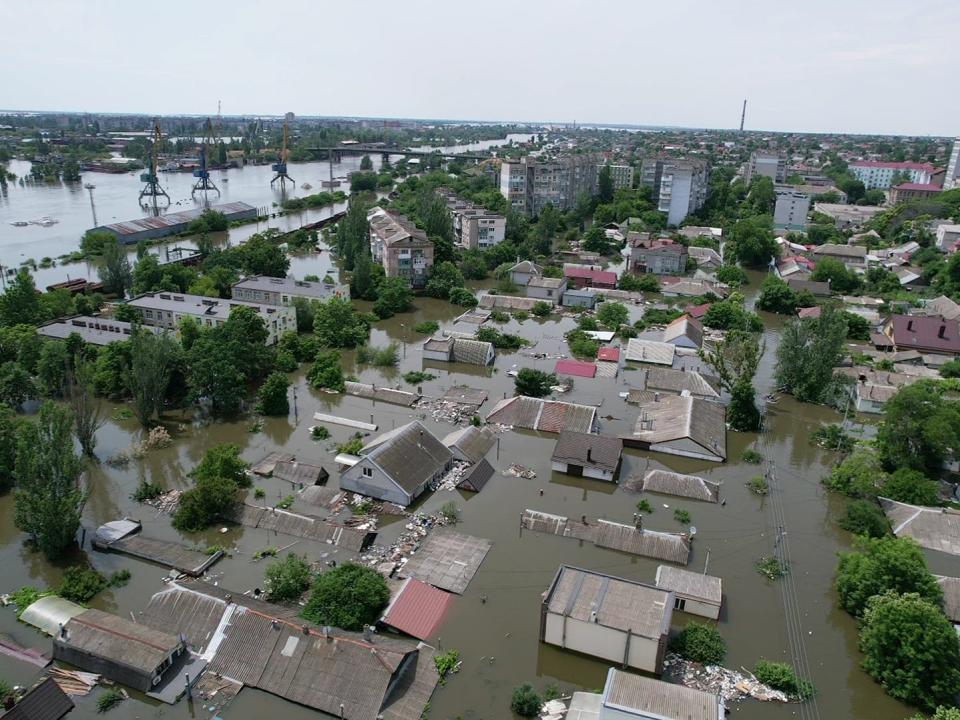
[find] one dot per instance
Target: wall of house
(436, 355)
(602, 642)
(698, 607)
(131, 677)
(552, 295)
(521, 278)
(578, 301)
(378, 485)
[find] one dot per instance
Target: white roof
(650, 351)
(50, 613)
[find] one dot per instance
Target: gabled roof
(44, 701)
(609, 354)
(576, 368)
(476, 477)
(643, 697)
(473, 442)
(527, 266)
(674, 381)
(690, 486)
(835, 250)
(690, 585)
(650, 351)
(683, 418)
(118, 640)
(684, 326)
(925, 332)
(588, 273)
(418, 609)
(545, 415)
(944, 307)
(472, 352)
(409, 455)
(547, 282)
(588, 450)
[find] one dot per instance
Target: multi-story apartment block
(952, 178)
(790, 212)
(476, 227)
(679, 186)
(622, 176)
(530, 184)
(765, 164)
(401, 247)
(282, 291)
(880, 175)
(167, 309)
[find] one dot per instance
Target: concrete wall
(603, 642)
(697, 607)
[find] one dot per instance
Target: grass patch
(416, 377)
(770, 567)
(752, 456)
(285, 503)
(266, 552)
(758, 485)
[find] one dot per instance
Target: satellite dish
(693, 530)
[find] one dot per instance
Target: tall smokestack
(743, 115)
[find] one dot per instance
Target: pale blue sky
(815, 65)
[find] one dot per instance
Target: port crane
(151, 187)
(202, 174)
(280, 167)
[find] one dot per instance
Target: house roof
(691, 585)
(650, 351)
(507, 302)
(684, 326)
(951, 596)
(609, 601)
(833, 249)
(604, 277)
(417, 609)
(545, 415)
(409, 455)
(609, 354)
(547, 282)
(472, 441)
(118, 640)
(646, 697)
(919, 187)
(927, 332)
(906, 165)
(673, 381)
(472, 352)
(944, 307)
(697, 311)
(680, 418)
(577, 368)
(44, 701)
(588, 450)
(690, 288)
(690, 486)
(809, 312)
(380, 394)
(934, 528)
(476, 477)
(815, 287)
(527, 266)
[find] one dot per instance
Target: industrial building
(148, 228)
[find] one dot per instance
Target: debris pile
(553, 710)
(165, 502)
(447, 411)
(450, 479)
(520, 471)
(74, 682)
(386, 558)
(729, 684)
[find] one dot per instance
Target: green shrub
(499, 316)
(427, 327)
(26, 596)
(463, 297)
(287, 579)
(525, 701)
(758, 485)
(379, 357)
(259, 493)
(416, 377)
(700, 643)
(781, 676)
(541, 309)
(80, 584)
(681, 516)
(147, 490)
(770, 567)
(109, 700)
(864, 517)
(644, 506)
(446, 663)
(752, 457)
(450, 512)
(319, 432)
(119, 578)
(353, 446)
(348, 597)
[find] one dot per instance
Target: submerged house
(398, 466)
(459, 350)
(618, 620)
(587, 455)
(694, 593)
(627, 696)
(470, 444)
(119, 649)
(685, 426)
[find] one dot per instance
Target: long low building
(148, 228)
(167, 309)
(93, 330)
(267, 290)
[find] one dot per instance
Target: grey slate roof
(472, 352)
(647, 697)
(118, 640)
(951, 597)
(477, 476)
(678, 418)
(650, 351)
(472, 442)
(381, 394)
(690, 585)
(674, 381)
(932, 527)
(574, 447)
(44, 701)
(410, 455)
(690, 486)
(545, 415)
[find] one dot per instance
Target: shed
(587, 455)
(300, 473)
(576, 368)
(471, 443)
(399, 465)
(546, 288)
(119, 649)
(694, 593)
(684, 332)
(476, 477)
(417, 609)
(686, 426)
(618, 620)
(50, 613)
(608, 354)
(44, 701)
(579, 298)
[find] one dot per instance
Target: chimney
(367, 635)
(589, 454)
(909, 325)
(942, 333)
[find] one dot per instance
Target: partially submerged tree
(87, 407)
(735, 359)
(348, 597)
(151, 363)
(809, 351)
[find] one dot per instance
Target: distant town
(402, 419)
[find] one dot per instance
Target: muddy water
(498, 639)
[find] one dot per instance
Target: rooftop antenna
(151, 187)
(280, 167)
(204, 182)
(743, 115)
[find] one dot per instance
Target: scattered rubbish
(74, 682)
(385, 559)
(452, 478)
(729, 684)
(448, 411)
(165, 502)
(520, 471)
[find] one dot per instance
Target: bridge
(385, 152)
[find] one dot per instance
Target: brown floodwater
(498, 640)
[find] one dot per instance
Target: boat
(19, 223)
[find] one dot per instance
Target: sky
(856, 66)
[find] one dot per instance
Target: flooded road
(498, 639)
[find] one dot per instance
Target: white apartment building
(530, 184)
(475, 226)
(679, 186)
(167, 310)
(952, 178)
(765, 164)
(791, 209)
(879, 175)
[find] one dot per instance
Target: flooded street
(498, 639)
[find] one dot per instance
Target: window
(679, 603)
(368, 472)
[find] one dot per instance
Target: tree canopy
(921, 428)
(348, 597)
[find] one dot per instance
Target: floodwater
(498, 639)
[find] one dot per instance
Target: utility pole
(93, 208)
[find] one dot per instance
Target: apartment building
(282, 291)
(913, 191)
(792, 208)
(679, 186)
(400, 247)
(765, 164)
(476, 227)
(622, 176)
(952, 178)
(880, 175)
(167, 310)
(530, 184)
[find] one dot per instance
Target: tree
(840, 277)
(261, 256)
(361, 281)
(287, 579)
(366, 163)
(326, 371)
(730, 314)
(87, 408)
(542, 308)
(437, 223)
(864, 517)
(547, 224)
(605, 185)
(393, 296)
(463, 298)
(223, 461)
(348, 597)
(9, 432)
(776, 296)
(612, 315)
(596, 240)
(700, 643)
(53, 368)
(337, 325)
(808, 352)
(16, 385)
(942, 713)
(93, 241)
(877, 565)
(444, 277)
(208, 500)
(752, 241)
(910, 486)
(732, 275)
(151, 364)
(49, 499)
(353, 233)
(21, 303)
(272, 399)
(859, 475)
(116, 272)
(534, 383)
(525, 701)
(911, 649)
(920, 429)
(632, 282)
(735, 359)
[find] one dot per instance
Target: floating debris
(520, 471)
(74, 682)
(452, 478)
(729, 684)
(385, 559)
(165, 502)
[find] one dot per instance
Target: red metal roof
(604, 277)
(418, 609)
(697, 311)
(920, 332)
(576, 368)
(809, 312)
(610, 354)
